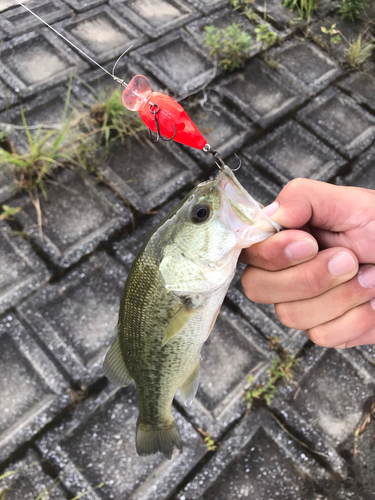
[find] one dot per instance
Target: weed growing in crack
(265, 35)
(283, 367)
(231, 45)
(305, 8)
(333, 33)
(358, 51)
(9, 212)
(352, 9)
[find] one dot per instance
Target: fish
(172, 297)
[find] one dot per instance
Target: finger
(367, 338)
(329, 207)
(283, 250)
(348, 327)
(309, 279)
(309, 313)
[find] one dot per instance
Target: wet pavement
(299, 111)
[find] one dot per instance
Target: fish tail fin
(163, 437)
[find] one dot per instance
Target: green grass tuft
(352, 9)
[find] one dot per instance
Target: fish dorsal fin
(179, 320)
(114, 365)
(189, 387)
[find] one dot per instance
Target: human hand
(329, 293)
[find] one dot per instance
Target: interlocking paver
(26, 479)
(207, 6)
(18, 21)
(147, 176)
(340, 121)
(362, 88)
(101, 33)
(223, 130)
(77, 215)
(292, 151)
(76, 318)
(259, 92)
(7, 4)
(98, 445)
(21, 270)
(362, 172)
(275, 11)
(306, 66)
(82, 5)
(32, 62)
(32, 389)
(7, 97)
(7, 187)
(256, 451)
(177, 61)
(155, 18)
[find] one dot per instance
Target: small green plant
(305, 8)
(114, 120)
(334, 34)
(241, 4)
(210, 443)
(283, 366)
(9, 212)
(358, 51)
(230, 45)
(265, 35)
(352, 9)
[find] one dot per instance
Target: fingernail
(372, 302)
(341, 263)
(366, 277)
(301, 248)
(269, 210)
(342, 346)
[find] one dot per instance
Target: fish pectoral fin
(114, 366)
(189, 387)
(179, 320)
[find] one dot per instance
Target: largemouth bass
(173, 296)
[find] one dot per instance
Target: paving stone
(257, 460)
(368, 351)
(306, 66)
(129, 245)
(361, 87)
(44, 112)
(207, 6)
(98, 445)
(19, 20)
(363, 172)
(147, 177)
(177, 61)
(82, 5)
(78, 216)
(292, 151)
(335, 387)
(26, 479)
(154, 17)
(221, 20)
(7, 188)
(32, 62)
(7, 98)
(76, 317)
(223, 130)
(340, 121)
(260, 94)
(350, 31)
(22, 271)
(101, 33)
(275, 11)
(32, 389)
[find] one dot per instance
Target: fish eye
(200, 213)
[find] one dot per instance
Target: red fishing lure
(161, 113)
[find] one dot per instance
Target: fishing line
(118, 80)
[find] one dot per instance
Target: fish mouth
(239, 211)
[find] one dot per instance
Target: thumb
(325, 206)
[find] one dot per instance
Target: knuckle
(313, 281)
(248, 285)
(317, 336)
(286, 315)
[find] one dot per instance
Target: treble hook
(154, 109)
(220, 163)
